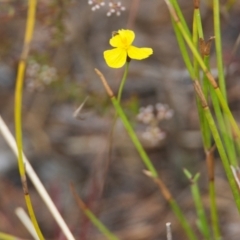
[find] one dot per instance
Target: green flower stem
(151, 168)
(119, 96)
(218, 46)
(224, 158)
(203, 224)
(134, 138)
(124, 78)
(153, 173)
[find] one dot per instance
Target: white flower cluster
(114, 7)
(37, 76)
(152, 116)
(153, 135)
(96, 4)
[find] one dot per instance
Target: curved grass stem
(18, 110)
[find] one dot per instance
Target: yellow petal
(123, 39)
(139, 53)
(115, 58)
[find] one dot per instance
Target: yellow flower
(122, 43)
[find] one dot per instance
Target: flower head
(123, 48)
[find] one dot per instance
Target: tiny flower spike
(123, 49)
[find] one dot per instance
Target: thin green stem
(224, 158)
(206, 86)
(177, 211)
(134, 137)
(153, 173)
(197, 16)
(221, 77)
(180, 15)
(18, 110)
(214, 215)
(223, 129)
(183, 50)
(99, 225)
(203, 224)
(123, 81)
(203, 123)
(218, 45)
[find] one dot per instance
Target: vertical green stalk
(228, 141)
(204, 68)
(180, 15)
(222, 153)
(210, 158)
(134, 137)
(206, 86)
(207, 112)
(151, 168)
(218, 44)
(18, 110)
(198, 33)
(123, 81)
(177, 211)
(202, 219)
(119, 96)
(221, 79)
(214, 214)
(205, 51)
